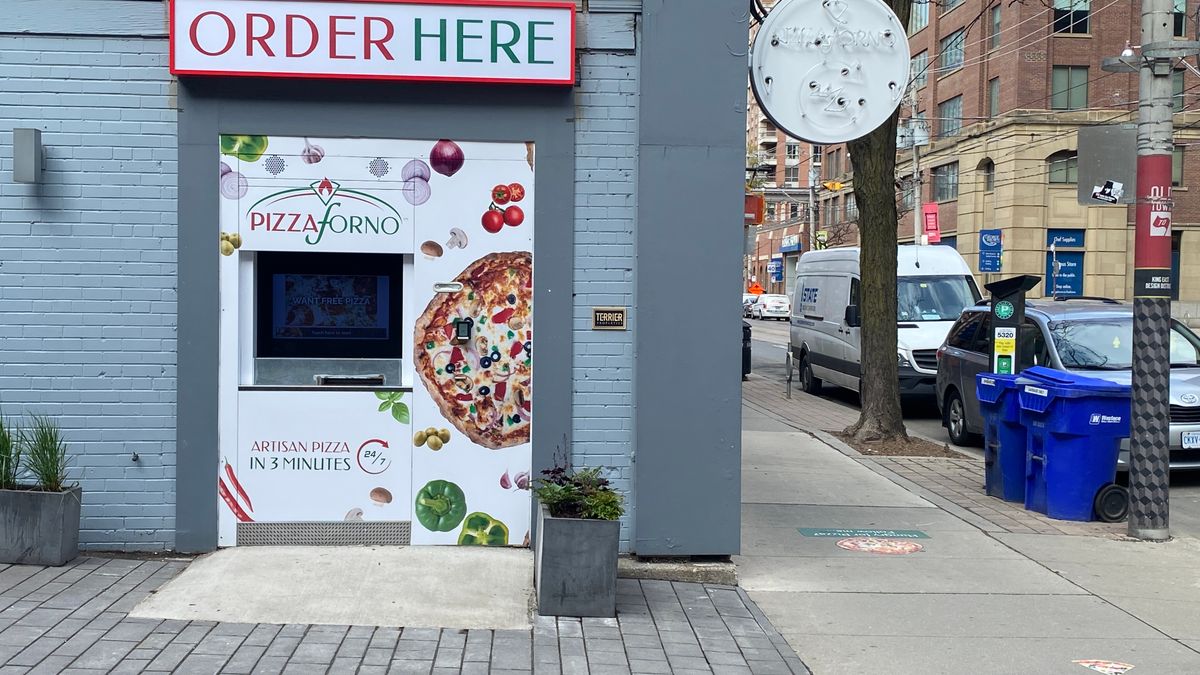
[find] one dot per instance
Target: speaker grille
(305, 533)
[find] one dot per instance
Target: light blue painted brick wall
(87, 272)
(605, 209)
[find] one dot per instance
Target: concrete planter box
(575, 568)
(40, 528)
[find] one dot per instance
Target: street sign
(775, 269)
(1106, 162)
(991, 250)
(933, 231)
(829, 71)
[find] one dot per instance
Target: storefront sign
(1065, 238)
(790, 244)
(991, 250)
(829, 71)
(933, 231)
(1064, 273)
(609, 318)
(514, 41)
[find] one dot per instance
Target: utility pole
(814, 175)
(916, 167)
(1149, 503)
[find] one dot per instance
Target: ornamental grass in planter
(39, 519)
(578, 535)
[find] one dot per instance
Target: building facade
(998, 92)
(129, 320)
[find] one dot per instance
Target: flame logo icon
(325, 190)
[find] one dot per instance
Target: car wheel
(809, 382)
(956, 419)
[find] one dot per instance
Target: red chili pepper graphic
(238, 512)
(515, 350)
(503, 315)
(237, 487)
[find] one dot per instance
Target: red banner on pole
(933, 232)
(1152, 239)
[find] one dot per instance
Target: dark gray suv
(1093, 337)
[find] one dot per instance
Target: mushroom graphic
(458, 238)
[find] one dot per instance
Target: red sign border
(408, 78)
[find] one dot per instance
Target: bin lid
(1074, 381)
(996, 380)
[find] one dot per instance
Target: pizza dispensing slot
(462, 331)
(349, 380)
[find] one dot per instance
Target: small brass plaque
(609, 318)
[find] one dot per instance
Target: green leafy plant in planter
(583, 493)
(12, 440)
(40, 518)
(46, 454)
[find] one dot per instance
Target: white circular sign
(829, 71)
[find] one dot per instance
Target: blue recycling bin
(1004, 435)
(1075, 425)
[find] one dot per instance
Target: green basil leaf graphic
(385, 405)
(400, 412)
(384, 395)
(395, 396)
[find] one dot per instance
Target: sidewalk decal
(844, 533)
(880, 546)
(1106, 667)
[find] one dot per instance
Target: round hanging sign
(829, 71)
(880, 546)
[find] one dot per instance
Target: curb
(723, 573)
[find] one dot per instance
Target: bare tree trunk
(874, 160)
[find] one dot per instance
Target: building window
(952, 51)
(951, 4)
(918, 70)
(1069, 88)
(1177, 90)
(833, 164)
(1064, 167)
(1176, 245)
(1180, 15)
(945, 182)
(771, 210)
(950, 117)
(1071, 16)
(794, 211)
(987, 169)
(851, 208)
(994, 34)
(908, 194)
(793, 151)
(919, 17)
(792, 175)
(815, 153)
(993, 96)
(1177, 166)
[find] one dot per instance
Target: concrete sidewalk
(973, 601)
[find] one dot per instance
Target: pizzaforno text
(314, 230)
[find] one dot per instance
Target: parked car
(748, 302)
(1086, 336)
(772, 307)
(933, 286)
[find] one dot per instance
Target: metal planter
(575, 568)
(40, 528)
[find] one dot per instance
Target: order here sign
(515, 41)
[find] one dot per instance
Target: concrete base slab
(857, 654)
(724, 573)
(950, 616)
(425, 587)
(860, 517)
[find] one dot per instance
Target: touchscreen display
(330, 307)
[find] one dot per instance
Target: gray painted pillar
(687, 373)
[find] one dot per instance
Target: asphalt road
(922, 419)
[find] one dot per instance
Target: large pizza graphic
(484, 386)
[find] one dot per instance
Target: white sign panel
(516, 41)
(829, 71)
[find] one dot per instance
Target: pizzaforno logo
(324, 208)
(1098, 419)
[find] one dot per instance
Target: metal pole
(1149, 504)
(917, 215)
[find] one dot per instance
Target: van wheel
(808, 382)
(956, 419)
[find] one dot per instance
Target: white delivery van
(933, 286)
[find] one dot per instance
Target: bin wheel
(1112, 503)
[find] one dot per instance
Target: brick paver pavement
(72, 619)
(954, 484)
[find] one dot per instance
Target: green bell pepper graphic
(480, 529)
(440, 506)
(245, 148)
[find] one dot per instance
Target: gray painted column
(687, 382)
(209, 107)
